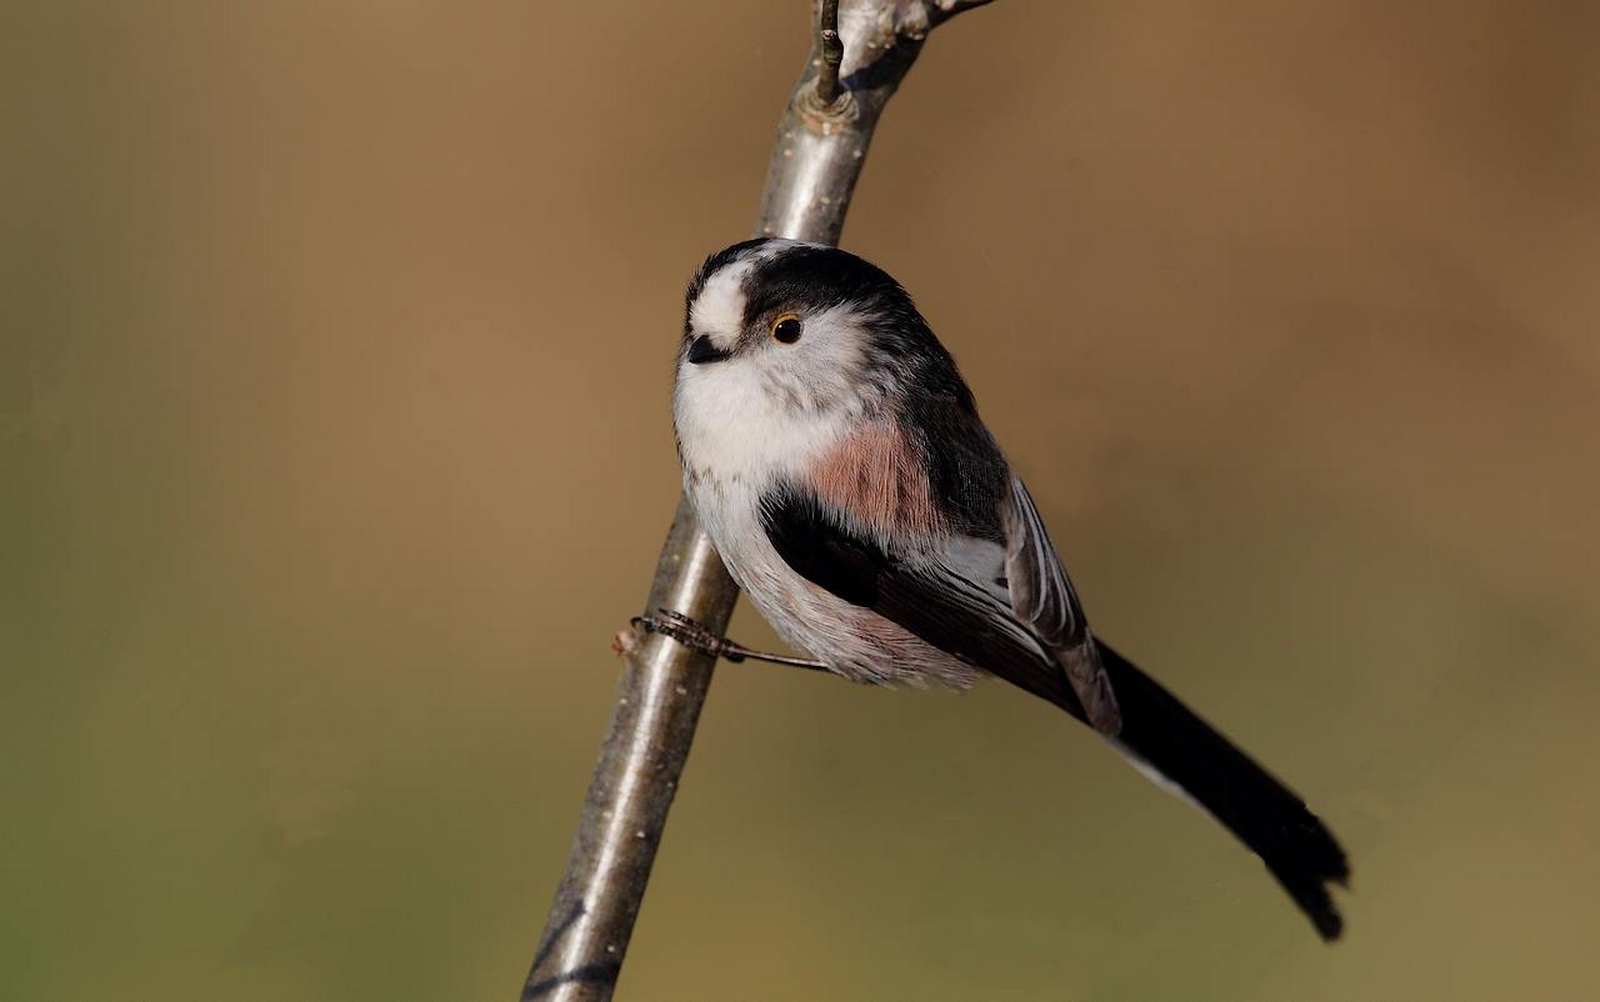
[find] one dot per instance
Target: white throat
(732, 424)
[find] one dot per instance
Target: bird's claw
(687, 632)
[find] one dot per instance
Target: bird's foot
(698, 637)
(690, 634)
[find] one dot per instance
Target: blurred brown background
(335, 442)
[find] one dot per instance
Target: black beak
(701, 351)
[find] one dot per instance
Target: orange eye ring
(786, 329)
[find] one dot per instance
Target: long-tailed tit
(835, 456)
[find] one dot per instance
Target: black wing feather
(929, 599)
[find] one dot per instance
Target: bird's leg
(696, 637)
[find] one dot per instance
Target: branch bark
(822, 145)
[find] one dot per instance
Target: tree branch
(852, 71)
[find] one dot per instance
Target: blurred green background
(334, 446)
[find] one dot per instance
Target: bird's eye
(786, 329)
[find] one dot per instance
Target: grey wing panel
(1041, 593)
(1043, 598)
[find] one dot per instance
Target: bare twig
(821, 147)
(831, 48)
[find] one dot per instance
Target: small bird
(835, 456)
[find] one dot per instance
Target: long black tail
(1267, 816)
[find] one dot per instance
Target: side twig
(859, 56)
(831, 48)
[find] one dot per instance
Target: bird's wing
(952, 595)
(1042, 597)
